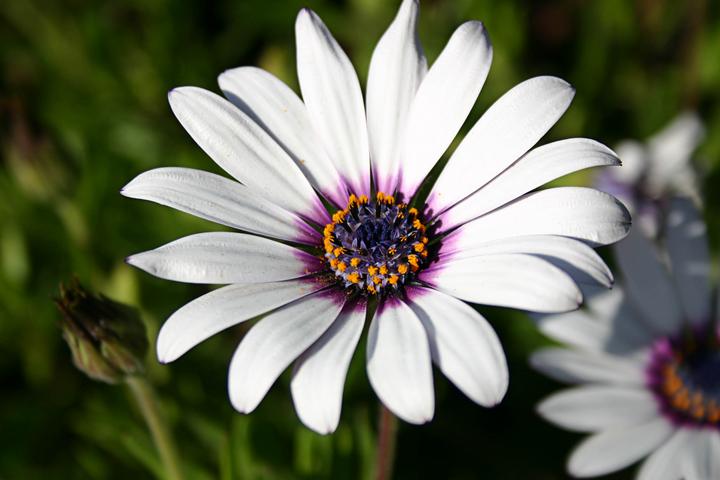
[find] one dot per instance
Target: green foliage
(83, 109)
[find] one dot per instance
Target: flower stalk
(387, 438)
(147, 401)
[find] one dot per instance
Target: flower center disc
(375, 247)
(686, 381)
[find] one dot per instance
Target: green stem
(147, 402)
(387, 433)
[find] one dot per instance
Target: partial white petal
(509, 128)
(398, 363)
(221, 257)
(274, 342)
(219, 200)
(648, 284)
(686, 239)
(319, 375)
(670, 152)
(280, 112)
(608, 325)
(634, 162)
(220, 309)
(567, 251)
(443, 102)
(508, 280)
(581, 213)
(576, 329)
(571, 366)
(702, 457)
(463, 345)
(593, 408)
(667, 461)
(244, 150)
(535, 168)
(618, 448)
(397, 67)
(333, 99)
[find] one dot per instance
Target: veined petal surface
(280, 112)
(508, 129)
(219, 200)
(334, 101)
(319, 375)
(443, 102)
(244, 150)
(398, 362)
(397, 67)
(222, 257)
(220, 309)
(274, 342)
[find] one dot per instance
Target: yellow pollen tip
(402, 269)
(362, 199)
(413, 260)
(372, 270)
(352, 199)
(379, 196)
(424, 253)
(334, 262)
(371, 289)
(355, 262)
(413, 211)
(419, 247)
(392, 251)
(353, 277)
(376, 280)
(393, 280)
(338, 251)
(383, 270)
(424, 240)
(342, 266)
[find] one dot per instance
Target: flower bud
(107, 339)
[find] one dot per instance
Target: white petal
(219, 200)
(686, 239)
(220, 309)
(398, 363)
(333, 99)
(319, 375)
(666, 462)
(463, 345)
(221, 257)
(509, 128)
(615, 449)
(244, 150)
(274, 342)
(508, 280)
(648, 284)
(280, 112)
(549, 247)
(581, 213)
(702, 458)
(443, 102)
(597, 407)
(571, 366)
(535, 168)
(397, 67)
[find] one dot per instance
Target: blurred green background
(83, 110)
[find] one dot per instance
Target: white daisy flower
(479, 237)
(655, 171)
(647, 359)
